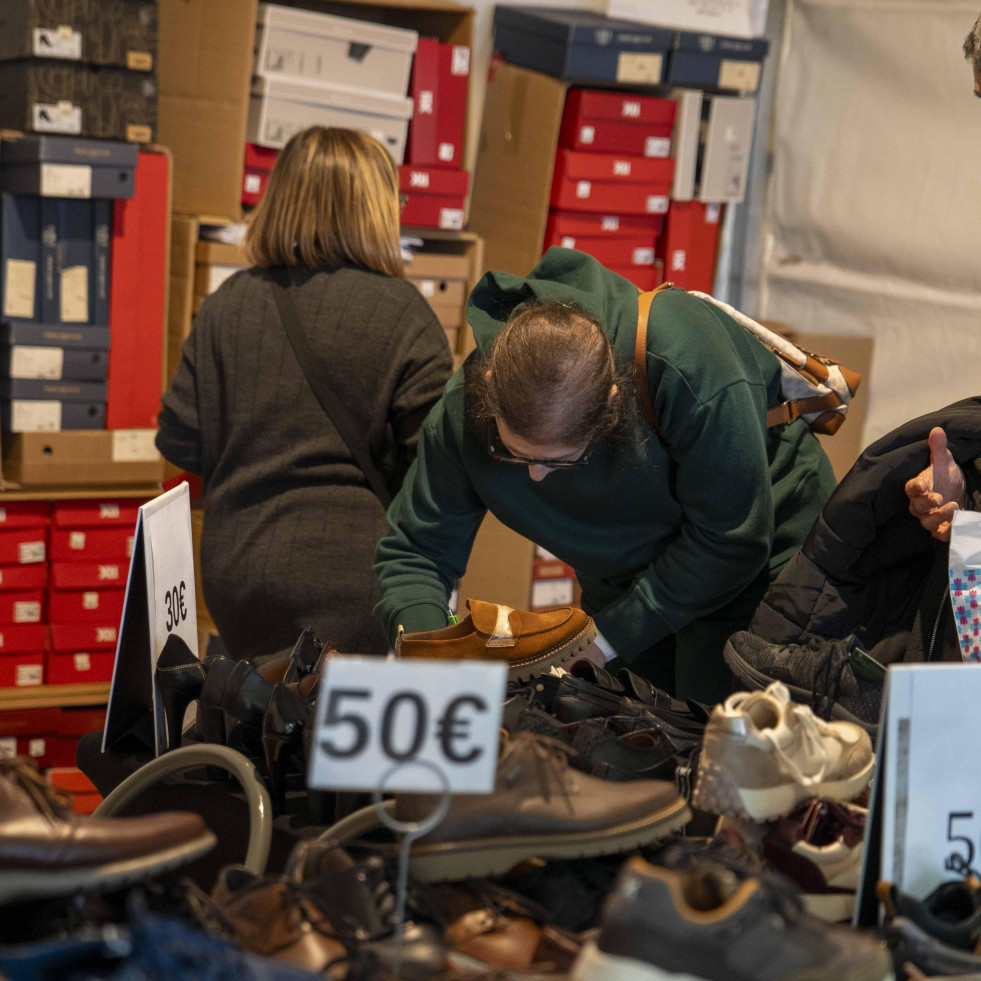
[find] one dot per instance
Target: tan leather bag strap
(644, 301)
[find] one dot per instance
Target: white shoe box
(280, 107)
(313, 47)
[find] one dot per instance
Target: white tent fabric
(874, 207)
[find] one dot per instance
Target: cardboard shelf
(60, 696)
(14, 493)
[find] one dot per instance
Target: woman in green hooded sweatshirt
(674, 537)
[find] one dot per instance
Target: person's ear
(611, 396)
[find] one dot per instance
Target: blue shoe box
(20, 257)
(581, 46)
(32, 405)
(54, 363)
(713, 61)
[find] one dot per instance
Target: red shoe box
(22, 546)
(89, 575)
(570, 165)
(610, 196)
(141, 233)
(689, 244)
(96, 514)
(85, 798)
(84, 605)
(259, 162)
(435, 198)
(73, 637)
(643, 277)
(574, 223)
(91, 545)
(79, 721)
(21, 607)
(35, 746)
(21, 669)
(25, 514)
(19, 722)
(79, 667)
(610, 252)
(608, 122)
(440, 77)
(22, 577)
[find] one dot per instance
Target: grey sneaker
(709, 924)
(837, 678)
(763, 754)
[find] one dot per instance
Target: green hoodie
(661, 530)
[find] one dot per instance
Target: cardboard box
(109, 513)
(439, 86)
(22, 546)
(111, 32)
(84, 605)
(89, 575)
(611, 122)
(50, 416)
(90, 459)
(315, 47)
(67, 167)
(21, 607)
(138, 311)
(20, 256)
(24, 514)
(91, 544)
(500, 568)
(77, 364)
(79, 667)
(579, 45)
(282, 107)
(78, 100)
(205, 68)
(24, 576)
(716, 62)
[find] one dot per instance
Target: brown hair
(551, 371)
(332, 199)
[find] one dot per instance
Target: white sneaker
(763, 754)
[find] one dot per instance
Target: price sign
(931, 803)
(159, 601)
(374, 715)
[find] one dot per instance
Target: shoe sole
(42, 883)
(717, 792)
(593, 964)
(831, 907)
(478, 857)
(755, 680)
(555, 657)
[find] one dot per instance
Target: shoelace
(810, 728)
(551, 760)
(826, 685)
(53, 802)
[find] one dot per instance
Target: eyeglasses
(502, 454)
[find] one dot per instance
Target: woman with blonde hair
(290, 518)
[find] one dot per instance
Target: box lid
(583, 27)
(31, 148)
(576, 165)
(724, 47)
(620, 107)
(337, 96)
(309, 22)
(54, 335)
(433, 180)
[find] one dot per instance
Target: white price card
(931, 808)
(373, 715)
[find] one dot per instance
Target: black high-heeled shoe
(211, 718)
(244, 703)
(180, 677)
(286, 720)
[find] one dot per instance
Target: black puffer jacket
(867, 563)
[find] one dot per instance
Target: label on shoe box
(89, 575)
(22, 546)
(407, 725)
(21, 607)
(91, 543)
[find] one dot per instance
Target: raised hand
(938, 491)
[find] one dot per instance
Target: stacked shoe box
(314, 69)
(443, 279)
(57, 219)
(553, 583)
(91, 545)
(48, 735)
(23, 577)
(432, 179)
(612, 179)
(214, 262)
(80, 68)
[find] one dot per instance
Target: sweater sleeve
(179, 437)
(432, 524)
(722, 480)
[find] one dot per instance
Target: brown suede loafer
(530, 643)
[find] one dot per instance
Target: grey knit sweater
(291, 522)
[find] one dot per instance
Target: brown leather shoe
(271, 918)
(530, 643)
(46, 850)
(542, 808)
